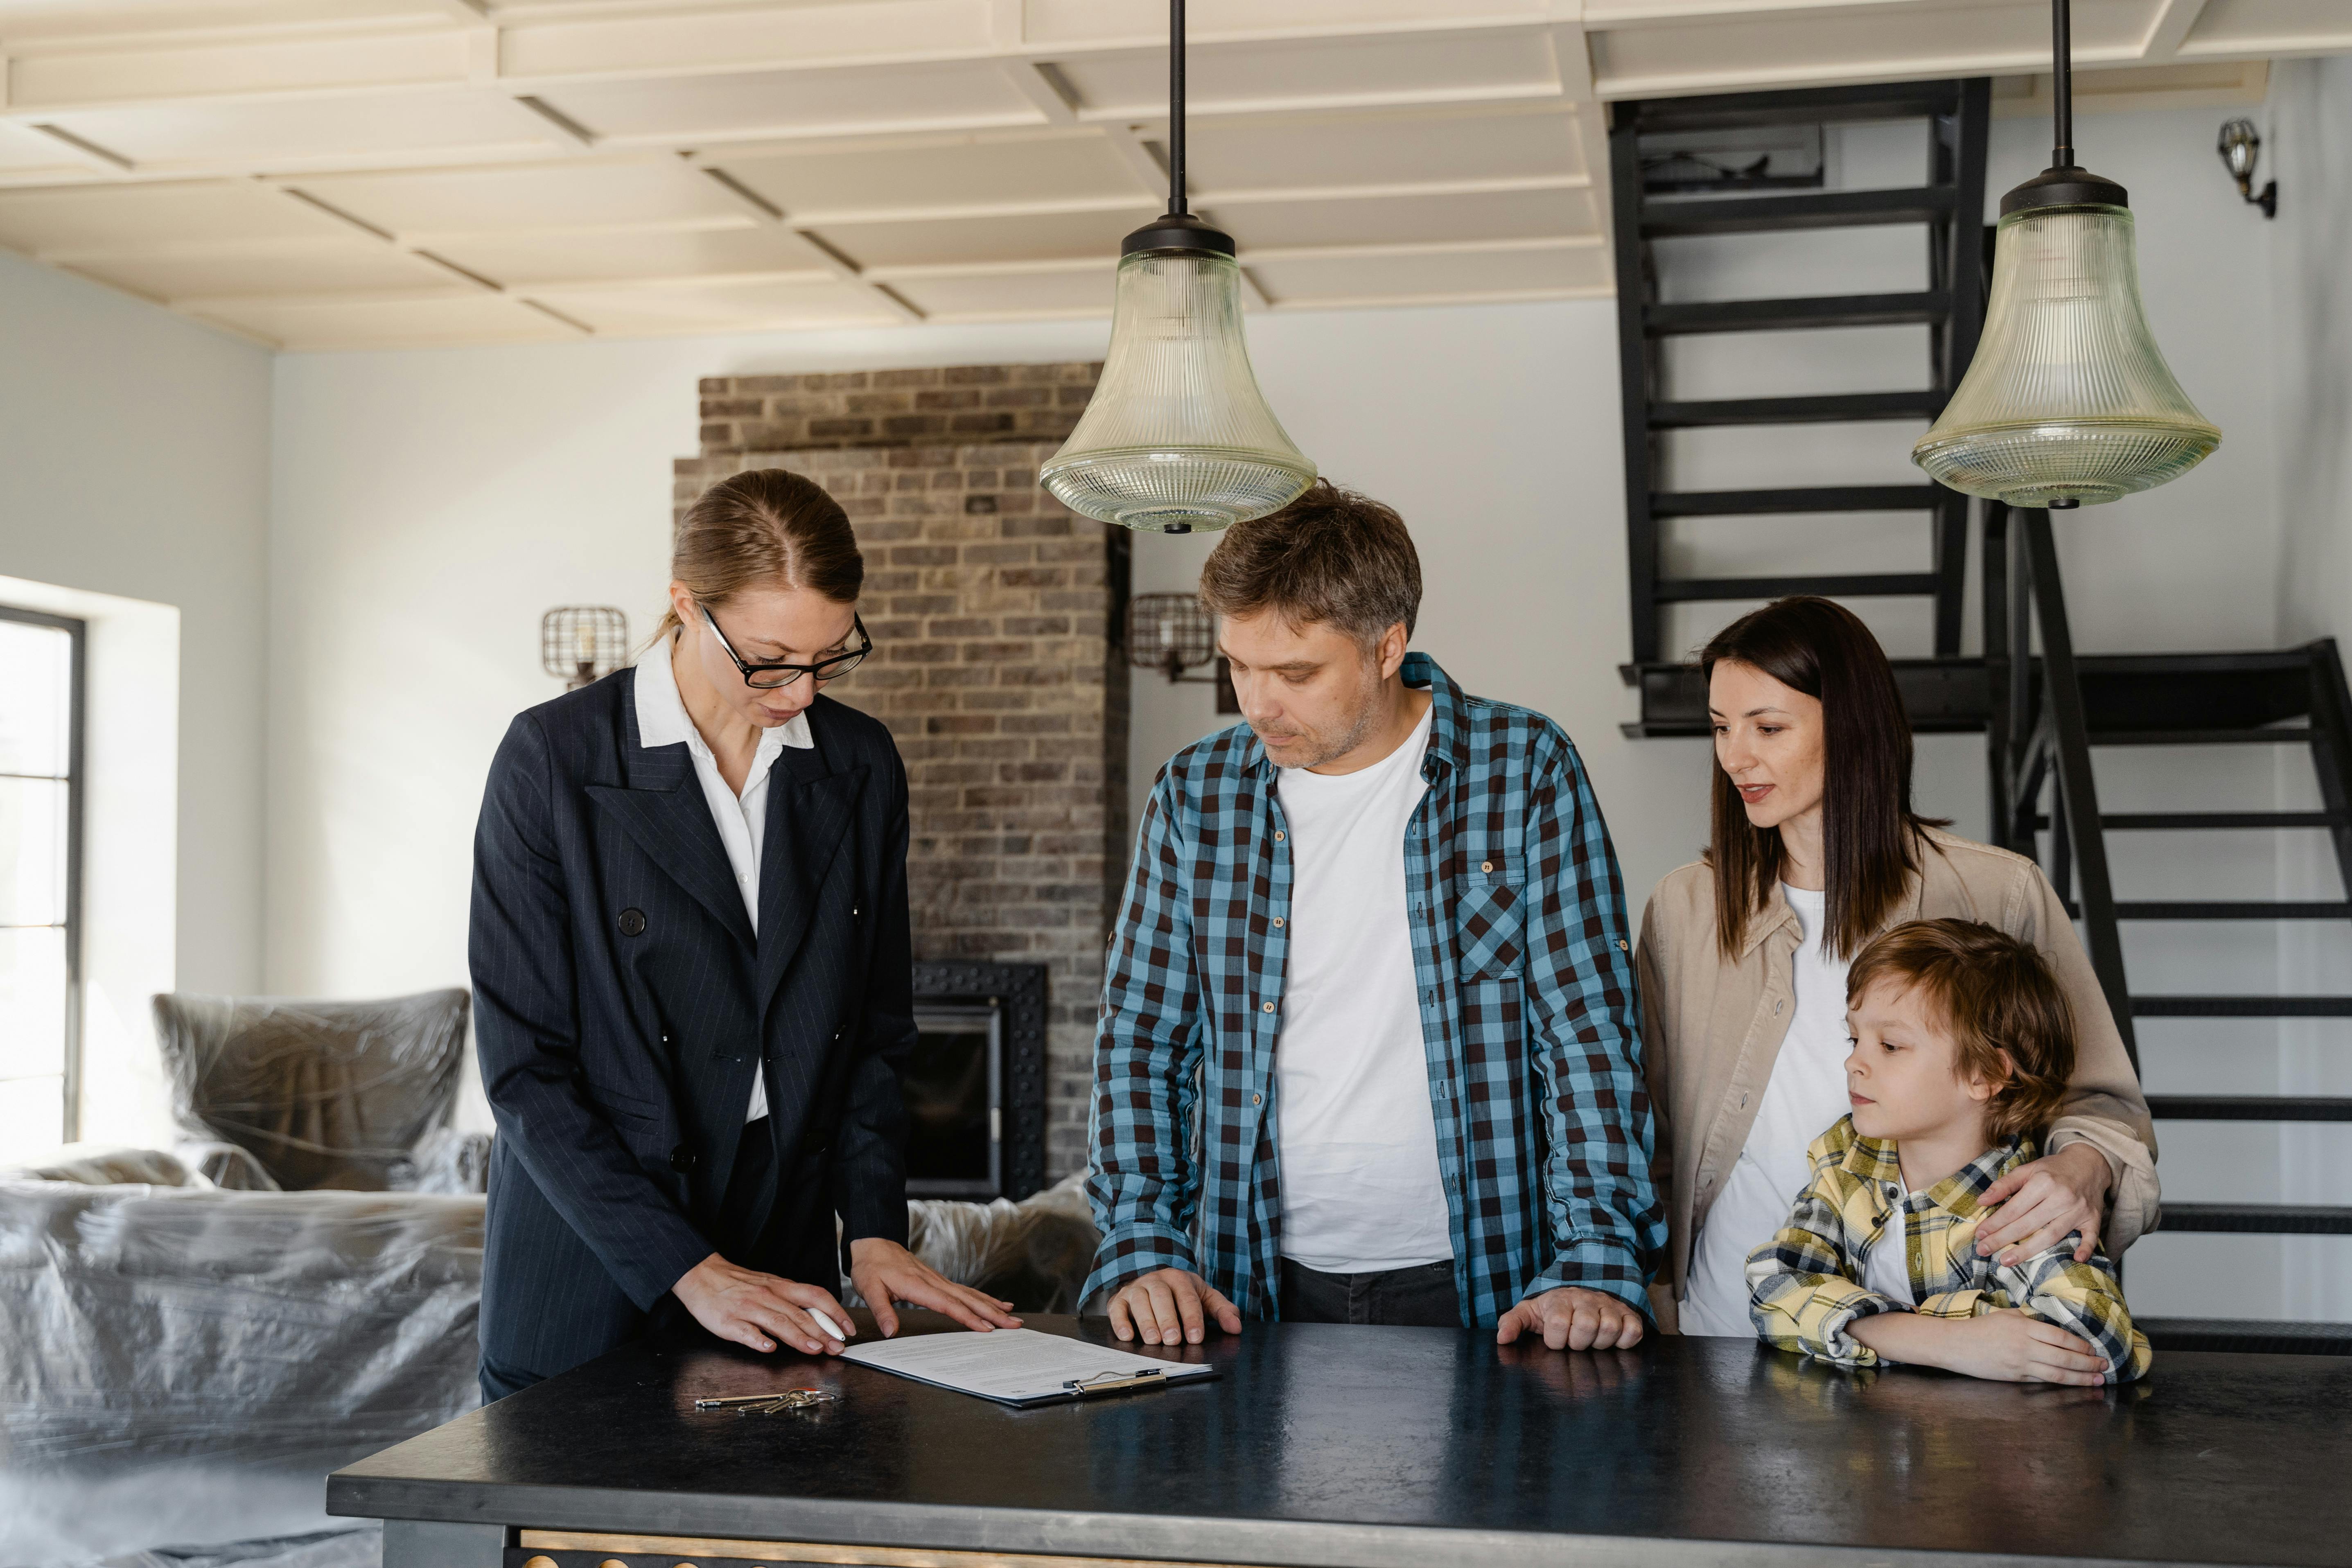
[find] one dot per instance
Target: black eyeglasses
(768, 676)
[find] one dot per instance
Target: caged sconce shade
(1178, 438)
(2068, 401)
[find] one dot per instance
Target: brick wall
(991, 608)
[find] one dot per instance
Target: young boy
(1962, 1049)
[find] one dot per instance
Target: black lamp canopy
(2064, 184)
(1177, 229)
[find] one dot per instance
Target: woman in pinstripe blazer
(693, 976)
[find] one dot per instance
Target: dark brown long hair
(763, 526)
(1870, 835)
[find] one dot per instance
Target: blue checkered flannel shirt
(1522, 956)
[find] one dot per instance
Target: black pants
(1419, 1298)
(749, 1201)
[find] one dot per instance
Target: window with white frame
(40, 864)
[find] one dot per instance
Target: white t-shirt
(1361, 1187)
(1886, 1268)
(741, 821)
(1803, 1099)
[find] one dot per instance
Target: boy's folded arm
(2086, 1300)
(1798, 1295)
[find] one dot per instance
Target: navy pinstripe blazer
(621, 1005)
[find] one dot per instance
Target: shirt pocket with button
(1489, 926)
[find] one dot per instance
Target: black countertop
(1372, 1447)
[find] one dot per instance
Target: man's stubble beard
(1359, 727)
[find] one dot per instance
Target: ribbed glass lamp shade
(2068, 399)
(1178, 438)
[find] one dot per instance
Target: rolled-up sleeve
(1606, 1220)
(1144, 1184)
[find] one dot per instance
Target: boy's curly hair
(2000, 1000)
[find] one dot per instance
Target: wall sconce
(1172, 633)
(583, 643)
(2241, 147)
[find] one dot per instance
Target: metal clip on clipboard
(1112, 1382)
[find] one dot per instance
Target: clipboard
(1022, 1368)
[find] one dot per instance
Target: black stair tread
(1826, 409)
(2184, 1006)
(2247, 909)
(2248, 1107)
(2140, 821)
(1813, 498)
(1811, 209)
(1879, 586)
(1680, 319)
(2246, 1336)
(2259, 1219)
(1807, 106)
(2300, 734)
(1942, 696)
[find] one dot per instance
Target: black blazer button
(681, 1158)
(633, 922)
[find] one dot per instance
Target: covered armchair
(279, 1095)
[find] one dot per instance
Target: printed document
(1012, 1366)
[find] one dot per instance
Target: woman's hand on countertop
(2041, 1202)
(758, 1310)
(887, 1273)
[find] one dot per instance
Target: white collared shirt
(742, 820)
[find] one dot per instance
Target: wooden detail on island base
(585, 1549)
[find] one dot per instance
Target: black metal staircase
(2043, 710)
(2045, 716)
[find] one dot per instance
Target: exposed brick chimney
(992, 609)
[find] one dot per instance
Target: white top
(742, 820)
(1803, 1099)
(1886, 1268)
(1361, 1187)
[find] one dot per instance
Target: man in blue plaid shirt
(1368, 1050)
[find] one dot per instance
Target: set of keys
(769, 1403)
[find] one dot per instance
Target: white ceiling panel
(1408, 220)
(576, 193)
(1855, 43)
(1411, 148)
(332, 173)
(1046, 236)
(196, 215)
(722, 307)
(1299, 74)
(333, 267)
(1046, 167)
(986, 295)
(420, 320)
(2283, 26)
(794, 102)
(1518, 273)
(292, 132)
(530, 258)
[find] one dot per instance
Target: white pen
(830, 1327)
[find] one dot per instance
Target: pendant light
(2068, 400)
(1178, 438)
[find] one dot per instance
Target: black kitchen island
(1361, 1447)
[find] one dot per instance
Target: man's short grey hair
(1332, 556)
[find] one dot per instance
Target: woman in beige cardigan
(1815, 850)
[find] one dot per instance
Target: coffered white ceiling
(349, 173)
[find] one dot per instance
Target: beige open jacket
(1711, 1031)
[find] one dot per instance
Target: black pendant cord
(1176, 203)
(2061, 83)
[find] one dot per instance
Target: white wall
(2309, 137)
(135, 447)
